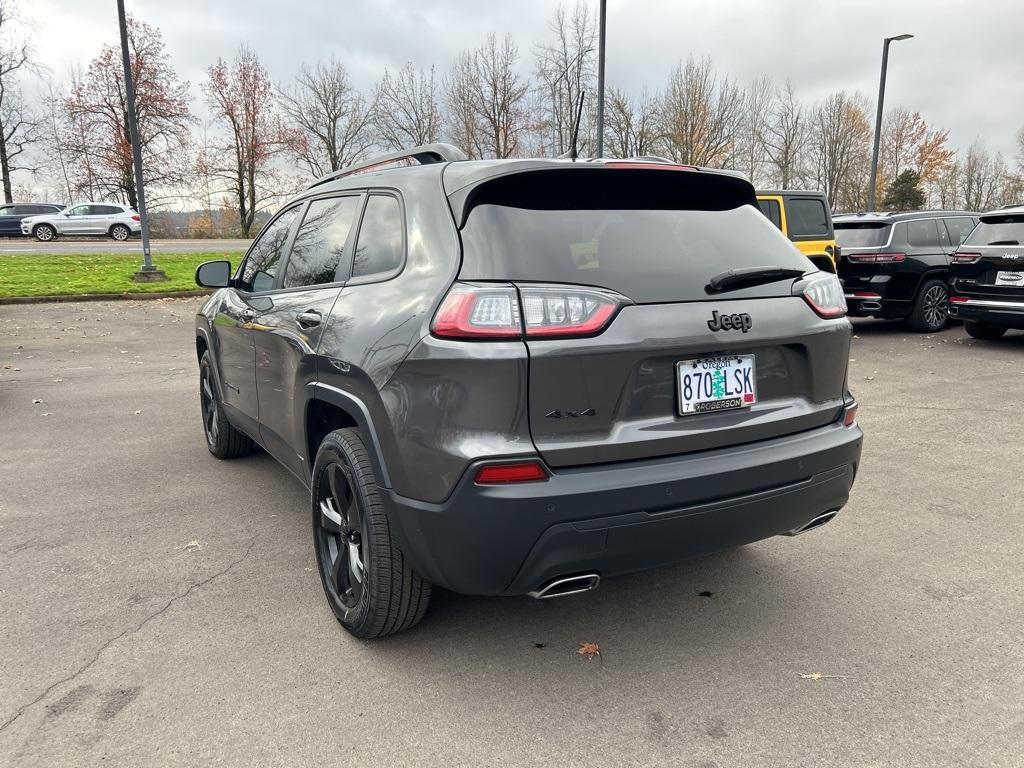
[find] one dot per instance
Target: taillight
(966, 258)
(521, 472)
(876, 258)
(958, 299)
(484, 311)
(136, 217)
(824, 294)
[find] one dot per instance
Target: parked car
(515, 377)
(986, 275)
(100, 219)
(895, 265)
(806, 219)
(11, 215)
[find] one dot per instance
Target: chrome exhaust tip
(566, 585)
(870, 306)
(817, 522)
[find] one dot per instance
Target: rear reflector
(492, 312)
(876, 258)
(958, 299)
(499, 474)
(824, 294)
(850, 416)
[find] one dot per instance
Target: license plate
(1015, 279)
(716, 384)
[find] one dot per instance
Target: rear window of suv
(861, 234)
(650, 256)
(998, 230)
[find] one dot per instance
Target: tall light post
(878, 120)
(600, 80)
(147, 273)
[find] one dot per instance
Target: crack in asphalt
(129, 631)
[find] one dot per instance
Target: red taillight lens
(958, 299)
(850, 415)
(136, 217)
(966, 258)
(876, 258)
(481, 311)
(824, 294)
(499, 474)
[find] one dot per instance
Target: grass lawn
(65, 274)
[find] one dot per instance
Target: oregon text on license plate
(715, 384)
(1010, 278)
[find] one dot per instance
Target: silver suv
(99, 219)
(516, 377)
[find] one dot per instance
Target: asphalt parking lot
(107, 245)
(159, 607)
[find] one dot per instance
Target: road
(106, 245)
(161, 608)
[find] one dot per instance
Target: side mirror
(214, 274)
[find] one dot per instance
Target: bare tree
(840, 148)
(331, 125)
(909, 143)
(239, 96)
(983, 179)
(97, 109)
(757, 107)
(566, 72)
(631, 125)
(486, 100)
(701, 115)
(19, 127)
(785, 137)
(406, 113)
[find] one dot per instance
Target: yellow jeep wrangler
(805, 218)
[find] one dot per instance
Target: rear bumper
(1002, 312)
(617, 518)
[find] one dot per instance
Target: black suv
(895, 265)
(521, 376)
(987, 275)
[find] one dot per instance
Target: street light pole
(147, 272)
(878, 119)
(600, 80)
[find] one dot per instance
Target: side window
(7, 210)
(79, 210)
(770, 208)
(107, 210)
(260, 267)
(923, 234)
(806, 217)
(379, 248)
(319, 253)
(959, 228)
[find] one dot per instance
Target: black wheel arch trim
(360, 414)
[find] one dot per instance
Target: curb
(101, 297)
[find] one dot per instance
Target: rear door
(654, 238)
(10, 220)
(288, 326)
(990, 263)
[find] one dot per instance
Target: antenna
(573, 153)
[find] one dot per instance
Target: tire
(931, 307)
(44, 233)
(120, 232)
(370, 586)
(978, 330)
(223, 440)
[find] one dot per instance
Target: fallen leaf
(820, 676)
(869, 378)
(590, 650)
(137, 413)
(193, 546)
(36, 400)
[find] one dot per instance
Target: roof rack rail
(424, 155)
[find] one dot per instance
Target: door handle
(309, 319)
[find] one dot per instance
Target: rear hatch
(990, 263)
(655, 238)
(864, 252)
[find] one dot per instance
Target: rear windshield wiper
(747, 276)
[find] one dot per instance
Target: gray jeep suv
(521, 376)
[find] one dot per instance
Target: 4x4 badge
(738, 322)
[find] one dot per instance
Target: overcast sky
(964, 70)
